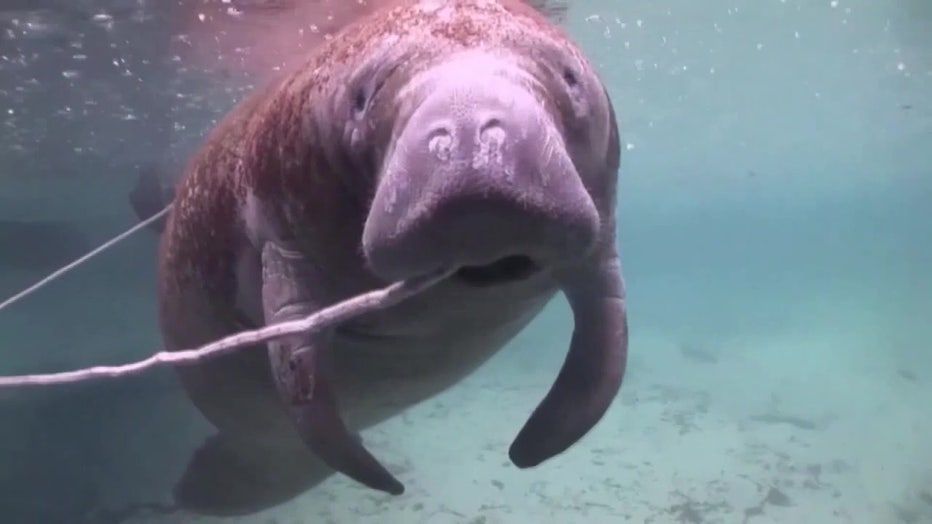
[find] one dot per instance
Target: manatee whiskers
(315, 322)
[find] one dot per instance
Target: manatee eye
(570, 77)
(359, 101)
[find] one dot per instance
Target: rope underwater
(334, 314)
(96, 251)
(354, 306)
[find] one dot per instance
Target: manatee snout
(478, 179)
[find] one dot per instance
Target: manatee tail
(226, 478)
(149, 197)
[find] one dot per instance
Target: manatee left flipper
(304, 380)
(594, 367)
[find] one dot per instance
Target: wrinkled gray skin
(411, 142)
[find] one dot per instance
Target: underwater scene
(530, 261)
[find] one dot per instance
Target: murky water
(774, 228)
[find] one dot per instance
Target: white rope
(103, 247)
(318, 321)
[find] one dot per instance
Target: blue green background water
(775, 230)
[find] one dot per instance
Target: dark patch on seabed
(926, 497)
(907, 375)
(914, 510)
(698, 354)
(774, 497)
(691, 511)
(778, 479)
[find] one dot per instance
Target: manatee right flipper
(594, 367)
(301, 371)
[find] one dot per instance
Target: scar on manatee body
(305, 382)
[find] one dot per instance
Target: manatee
(472, 135)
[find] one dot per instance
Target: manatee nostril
(492, 123)
(441, 130)
(492, 132)
(440, 142)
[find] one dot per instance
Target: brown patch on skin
(206, 206)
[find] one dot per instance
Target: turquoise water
(775, 233)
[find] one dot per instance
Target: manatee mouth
(504, 270)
